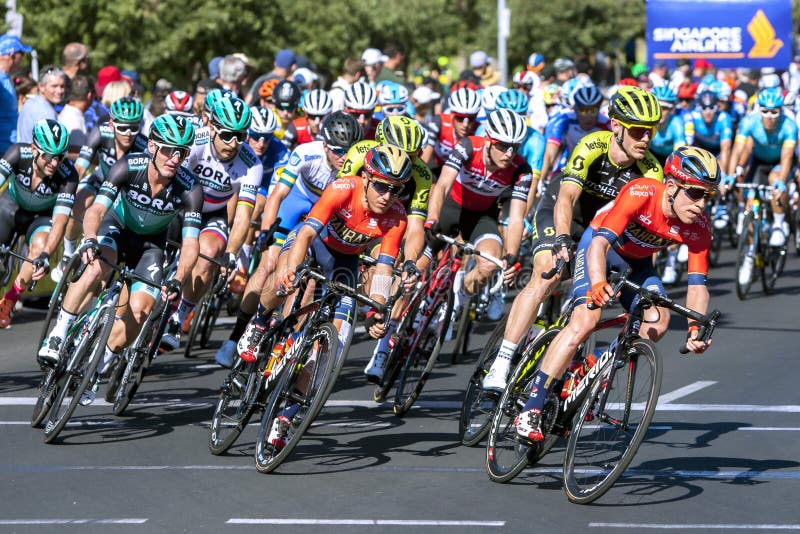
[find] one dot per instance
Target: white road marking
(681, 526)
(395, 522)
(684, 391)
(123, 521)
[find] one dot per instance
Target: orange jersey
(636, 226)
(346, 226)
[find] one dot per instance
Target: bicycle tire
(46, 392)
(267, 458)
(774, 263)
(210, 320)
(398, 352)
(463, 327)
(505, 456)
(79, 373)
(195, 325)
(592, 449)
(54, 306)
(716, 247)
(748, 234)
(478, 405)
(241, 400)
(417, 367)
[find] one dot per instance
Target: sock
(13, 293)
(184, 309)
(542, 385)
(344, 335)
(244, 257)
(109, 357)
(63, 322)
(69, 247)
(262, 315)
(671, 255)
(383, 343)
(507, 349)
(242, 318)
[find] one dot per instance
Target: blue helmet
(392, 94)
(770, 98)
(587, 97)
(664, 93)
(513, 99)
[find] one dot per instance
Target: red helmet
(178, 101)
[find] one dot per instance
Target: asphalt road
(721, 453)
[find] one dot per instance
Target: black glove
(563, 241)
(42, 262)
(410, 268)
(432, 230)
(371, 319)
(90, 247)
(512, 260)
(265, 240)
(230, 261)
(173, 288)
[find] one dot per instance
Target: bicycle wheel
(196, 325)
(717, 235)
(210, 319)
(749, 236)
(398, 351)
(463, 327)
(57, 298)
(236, 404)
(312, 372)
(612, 422)
(79, 373)
(422, 355)
(46, 392)
(774, 263)
(478, 405)
(505, 456)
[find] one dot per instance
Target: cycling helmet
(388, 163)
(693, 166)
(768, 81)
(513, 99)
(340, 129)
(214, 95)
(587, 97)
(400, 131)
(563, 64)
(489, 96)
(687, 90)
(286, 95)
(722, 90)
(392, 94)
(264, 120)
(664, 93)
(231, 114)
(770, 98)
(464, 102)
(535, 61)
(172, 130)
(360, 97)
(505, 126)
(551, 94)
(464, 84)
(317, 102)
(50, 136)
(635, 106)
(707, 99)
(524, 77)
(179, 101)
(126, 109)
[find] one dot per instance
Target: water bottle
(278, 350)
(573, 377)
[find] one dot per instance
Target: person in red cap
(686, 93)
(105, 76)
(700, 68)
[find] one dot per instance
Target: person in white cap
(373, 63)
(478, 61)
(424, 99)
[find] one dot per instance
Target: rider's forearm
(241, 224)
(190, 249)
(91, 220)
(697, 299)
(562, 214)
(305, 236)
(439, 191)
(596, 259)
(415, 238)
(56, 234)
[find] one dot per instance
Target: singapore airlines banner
(729, 33)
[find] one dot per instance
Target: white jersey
(308, 170)
(222, 179)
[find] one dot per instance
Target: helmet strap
(619, 139)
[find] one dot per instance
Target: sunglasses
(639, 132)
(171, 151)
(394, 110)
(458, 117)
(382, 188)
(260, 136)
(126, 129)
(588, 111)
(337, 150)
(229, 136)
(50, 157)
(770, 112)
(359, 113)
(709, 108)
(696, 194)
(315, 118)
(504, 147)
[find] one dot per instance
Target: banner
(729, 34)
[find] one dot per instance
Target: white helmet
(178, 101)
(490, 94)
(505, 126)
(317, 102)
(360, 97)
(264, 120)
(464, 101)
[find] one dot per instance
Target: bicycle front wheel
(774, 263)
(196, 325)
(612, 422)
(236, 404)
(746, 240)
(57, 297)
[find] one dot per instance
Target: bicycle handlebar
(469, 248)
(5, 250)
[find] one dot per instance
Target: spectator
(373, 64)
(682, 71)
(156, 105)
(200, 92)
(424, 100)
(478, 63)
(132, 77)
(393, 66)
(658, 76)
(75, 60)
(213, 67)
(114, 91)
(11, 52)
(249, 67)
(304, 78)
(285, 61)
(26, 87)
(80, 98)
(52, 83)
(352, 72)
(232, 71)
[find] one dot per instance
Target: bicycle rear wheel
(612, 422)
(210, 319)
(748, 238)
(505, 456)
(422, 355)
(774, 263)
(312, 371)
(463, 327)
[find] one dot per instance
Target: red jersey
(346, 226)
(477, 189)
(298, 133)
(442, 137)
(636, 226)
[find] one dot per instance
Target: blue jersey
(767, 146)
(532, 150)
(275, 158)
(670, 136)
(709, 136)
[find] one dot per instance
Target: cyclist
(311, 167)
(41, 191)
(448, 129)
(601, 164)
(182, 103)
(360, 100)
(229, 172)
(713, 129)
(128, 220)
(646, 217)
(477, 172)
(317, 104)
(393, 99)
(211, 98)
(285, 98)
(105, 144)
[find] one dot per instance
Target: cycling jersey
(475, 188)
(636, 227)
(56, 193)
(346, 226)
(274, 159)
(298, 133)
(442, 137)
(309, 163)
(141, 212)
(564, 129)
(532, 151)
(102, 144)
(222, 179)
(668, 138)
(710, 136)
(415, 193)
(599, 178)
(767, 146)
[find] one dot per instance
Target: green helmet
(214, 95)
(126, 109)
(231, 114)
(51, 136)
(172, 130)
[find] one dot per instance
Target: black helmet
(341, 129)
(286, 95)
